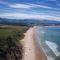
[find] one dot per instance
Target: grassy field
(8, 30)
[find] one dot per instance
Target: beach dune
(31, 49)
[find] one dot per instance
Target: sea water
(49, 39)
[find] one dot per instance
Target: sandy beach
(30, 46)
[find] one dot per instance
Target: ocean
(49, 39)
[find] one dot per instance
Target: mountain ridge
(28, 21)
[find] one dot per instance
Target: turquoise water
(49, 37)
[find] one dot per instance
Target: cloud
(42, 6)
(29, 6)
(29, 16)
(20, 6)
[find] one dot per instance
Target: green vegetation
(10, 46)
(9, 30)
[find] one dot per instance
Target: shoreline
(30, 46)
(40, 53)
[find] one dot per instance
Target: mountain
(28, 22)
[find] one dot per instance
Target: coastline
(30, 46)
(40, 53)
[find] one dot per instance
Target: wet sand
(31, 48)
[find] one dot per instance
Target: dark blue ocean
(49, 38)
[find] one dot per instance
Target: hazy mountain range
(28, 22)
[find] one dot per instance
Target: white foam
(53, 46)
(50, 58)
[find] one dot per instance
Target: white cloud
(20, 6)
(28, 6)
(30, 16)
(42, 6)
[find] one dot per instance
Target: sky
(30, 9)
